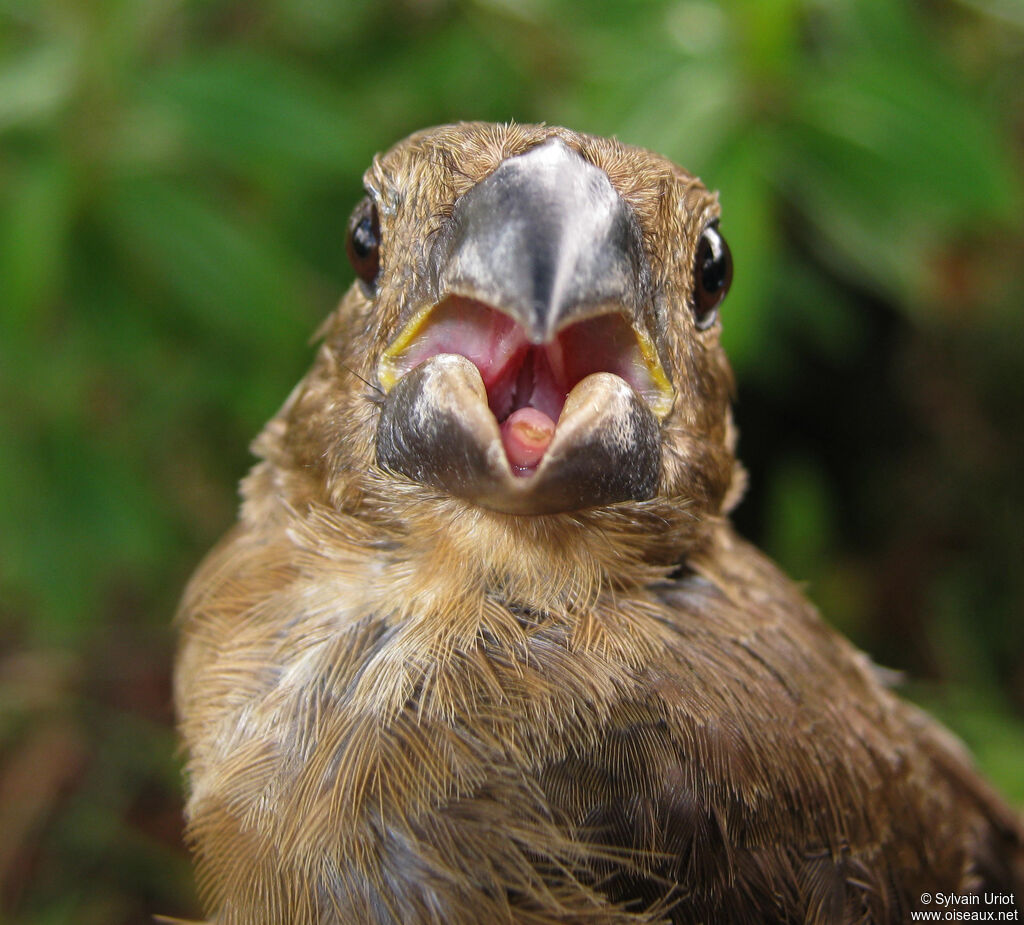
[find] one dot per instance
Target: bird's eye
(363, 242)
(712, 276)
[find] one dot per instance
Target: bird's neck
(445, 584)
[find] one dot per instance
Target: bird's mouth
(527, 380)
(527, 384)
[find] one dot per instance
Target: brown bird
(484, 647)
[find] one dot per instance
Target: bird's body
(417, 685)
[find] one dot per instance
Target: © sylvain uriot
(483, 646)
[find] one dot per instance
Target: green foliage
(175, 178)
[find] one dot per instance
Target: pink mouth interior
(527, 384)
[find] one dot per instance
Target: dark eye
(712, 276)
(363, 242)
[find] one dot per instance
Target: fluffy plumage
(402, 706)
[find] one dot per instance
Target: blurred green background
(175, 178)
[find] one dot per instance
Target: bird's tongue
(526, 434)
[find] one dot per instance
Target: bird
(484, 646)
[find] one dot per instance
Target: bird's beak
(527, 380)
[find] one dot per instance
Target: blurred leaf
(769, 33)
(232, 278)
(36, 83)
(1009, 11)
(83, 517)
(462, 70)
(701, 124)
(890, 152)
(990, 731)
(800, 521)
(748, 223)
(33, 228)
(255, 113)
(322, 22)
(811, 307)
(916, 141)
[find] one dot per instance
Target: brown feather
(400, 707)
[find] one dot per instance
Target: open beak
(526, 381)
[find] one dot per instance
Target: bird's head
(533, 330)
